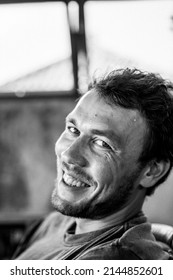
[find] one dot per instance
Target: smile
(73, 182)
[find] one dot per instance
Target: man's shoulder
(141, 241)
(50, 224)
(137, 242)
(41, 229)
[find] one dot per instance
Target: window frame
(77, 42)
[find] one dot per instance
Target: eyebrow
(110, 134)
(72, 120)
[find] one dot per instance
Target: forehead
(94, 110)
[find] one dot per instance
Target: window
(130, 34)
(35, 49)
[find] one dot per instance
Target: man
(117, 147)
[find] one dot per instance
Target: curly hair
(152, 96)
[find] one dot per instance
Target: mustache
(77, 171)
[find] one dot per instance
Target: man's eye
(102, 144)
(73, 130)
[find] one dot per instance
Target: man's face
(97, 158)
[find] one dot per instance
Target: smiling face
(97, 158)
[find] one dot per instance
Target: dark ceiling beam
(82, 28)
(73, 39)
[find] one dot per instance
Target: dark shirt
(56, 239)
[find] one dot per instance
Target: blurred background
(49, 50)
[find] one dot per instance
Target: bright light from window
(35, 45)
(130, 33)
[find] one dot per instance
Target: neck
(117, 218)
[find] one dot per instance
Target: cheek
(104, 170)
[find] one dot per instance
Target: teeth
(73, 182)
(78, 184)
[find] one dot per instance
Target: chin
(82, 210)
(65, 207)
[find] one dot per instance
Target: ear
(153, 172)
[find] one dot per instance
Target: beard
(100, 209)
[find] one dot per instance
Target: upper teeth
(69, 180)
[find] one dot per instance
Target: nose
(75, 154)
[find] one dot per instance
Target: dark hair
(151, 95)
